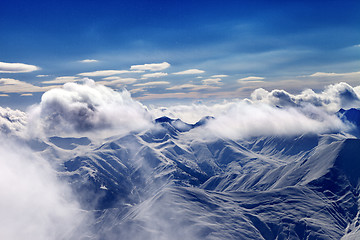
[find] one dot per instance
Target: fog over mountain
(88, 162)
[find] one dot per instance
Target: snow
(168, 183)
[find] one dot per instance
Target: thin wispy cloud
(116, 81)
(212, 81)
(190, 71)
(192, 87)
(154, 75)
(26, 95)
(17, 67)
(62, 80)
(42, 75)
(251, 78)
(103, 73)
(219, 76)
(89, 61)
(156, 83)
(9, 85)
(151, 67)
(325, 74)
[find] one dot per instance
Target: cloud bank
(272, 113)
(88, 107)
(334, 97)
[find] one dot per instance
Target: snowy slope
(170, 183)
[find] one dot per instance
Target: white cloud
(212, 81)
(154, 75)
(192, 87)
(9, 85)
(89, 61)
(26, 95)
(62, 80)
(116, 81)
(42, 75)
(151, 67)
(103, 73)
(243, 120)
(136, 90)
(334, 97)
(87, 107)
(34, 204)
(219, 76)
(190, 71)
(324, 74)
(151, 83)
(17, 67)
(11, 121)
(251, 78)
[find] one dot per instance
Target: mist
(34, 203)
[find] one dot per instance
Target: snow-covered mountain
(173, 182)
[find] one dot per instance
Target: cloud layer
(88, 107)
(272, 113)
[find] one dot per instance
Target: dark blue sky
(273, 40)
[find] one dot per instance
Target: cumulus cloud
(17, 67)
(89, 61)
(154, 75)
(334, 97)
(189, 71)
(87, 107)
(12, 121)
(34, 204)
(151, 67)
(212, 81)
(272, 113)
(103, 73)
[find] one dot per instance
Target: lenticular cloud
(88, 107)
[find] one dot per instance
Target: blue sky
(230, 47)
